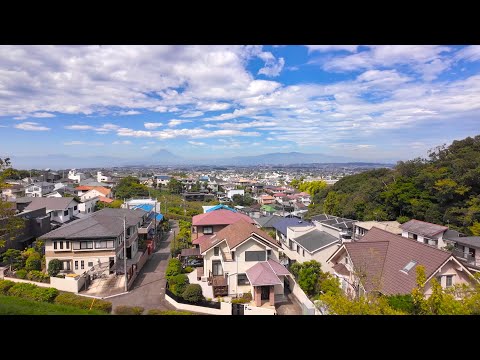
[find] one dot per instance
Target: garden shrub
(33, 292)
(240, 301)
(5, 285)
(193, 293)
(83, 302)
(45, 294)
(54, 267)
(39, 276)
(174, 267)
(178, 284)
(21, 274)
(402, 302)
(188, 269)
(129, 310)
(33, 263)
(168, 312)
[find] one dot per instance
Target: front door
(217, 268)
(265, 293)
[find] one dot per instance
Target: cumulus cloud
(125, 142)
(197, 143)
(272, 67)
(31, 126)
(103, 129)
(326, 48)
(151, 125)
(129, 112)
(188, 133)
(173, 123)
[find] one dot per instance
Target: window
(449, 281)
(76, 265)
(346, 260)
(82, 264)
(88, 210)
(255, 256)
(65, 213)
(208, 230)
(217, 268)
(298, 249)
(104, 244)
(55, 245)
(233, 255)
(409, 266)
(75, 207)
(194, 229)
(86, 244)
(269, 252)
(242, 279)
(67, 244)
(61, 245)
(303, 252)
(90, 264)
(215, 251)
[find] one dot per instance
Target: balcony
(466, 257)
(145, 228)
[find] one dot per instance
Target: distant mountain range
(165, 157)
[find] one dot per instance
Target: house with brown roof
(386, 263)
(90, 192)
(212, 222)
(361, 228)
(242, 258)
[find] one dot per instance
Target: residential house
(162, 180)
(21, 203)
(87, 206)
(36, 223)
(76, 176)
(88, 192)
(282, 226)
(13, 191)
(266, 200)
(103, 178)
(62, 191)
(425, 232)
(97, 241)
(213, 221)
(39, 189)
(267, 222)
(386, 263)
(231, 193)
(361, 228)
(341, 226)
(467, 249)
(241, 258)
(251, 211)
(61, 210)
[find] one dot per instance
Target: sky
(376, 103)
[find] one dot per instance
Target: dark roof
(52, 203)
(268, 221)
(24, 200)
(423, 228)
(451, 234)
(382, 255)
(473, 241)
(289, 222)
(334, 221)
(104, 223)
(316, 239)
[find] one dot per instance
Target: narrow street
(148, 289)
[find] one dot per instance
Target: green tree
(54, 267)
(475, 228)
(193, 293)
(13, 257)
(130, 187)
(175, 186)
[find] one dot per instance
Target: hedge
(174, 267)
(5, 285)
(83, 302)
(33, 292)
(129, 310)
(193, 293)
(178, 284)
(21, 274)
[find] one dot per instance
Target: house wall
(91, 194)
(450, 268)
(345, 281)
(58, 215)
(230, 193)
(87, 205)
(199, 230)
(420, 238)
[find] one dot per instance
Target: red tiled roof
(234, 235)
(382, 255)
(100, 189)
(105, 199)
(200, 239)
(219, 217)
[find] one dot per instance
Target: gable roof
(289, 222)
(234, 235)
(381, 256)
(219, 217)
(423, 228)
(51, 203)
(262, 274)
(473, 241)
(315, 240)
(104, 223)
(100, 189)
(268, 221)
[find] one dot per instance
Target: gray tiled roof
(473, 241)
(423, 228)
(315, 240)
(268, 221)
(52, 203)
(104, 223)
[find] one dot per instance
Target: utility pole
(155, 233)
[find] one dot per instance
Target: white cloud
(125, 142)
(74, 143)
(325, 48)
(145, 147)
(188, 133)
(197, 143)
(150, 125)
(31, 126)
(129, 112)
(79, 127)
(469, 53)
(42, 115)
(103, 129)
(192, 114)
(272, 66)
(3, 126)
(173, 123)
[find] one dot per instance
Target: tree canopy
(130, 187)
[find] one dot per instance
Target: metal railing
(467, 257)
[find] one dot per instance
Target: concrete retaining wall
(308, 308)
(68, 284)
(225, 308)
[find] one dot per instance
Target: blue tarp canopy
(159, 217)
(218, 207)
(146, 207)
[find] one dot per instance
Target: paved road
(149, 287)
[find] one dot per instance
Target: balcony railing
(146, 227)
(467, 257)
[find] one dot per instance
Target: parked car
(194, 262)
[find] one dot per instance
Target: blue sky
(379, 103)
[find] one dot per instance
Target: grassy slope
(17, 306)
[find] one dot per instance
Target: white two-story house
(424, 232)
(241, 258)
(96, 240)
(39, 189)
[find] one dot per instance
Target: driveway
(148, 289)
(290, 307)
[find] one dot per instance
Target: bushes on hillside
(174, 267)
(33, 292)
(178, 284)
(193, 293)
(21, 274)
(129, 310)
(83, 302)
(39, 276)
(33, 263)
(5, 285)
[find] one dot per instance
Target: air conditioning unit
(204, 278)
